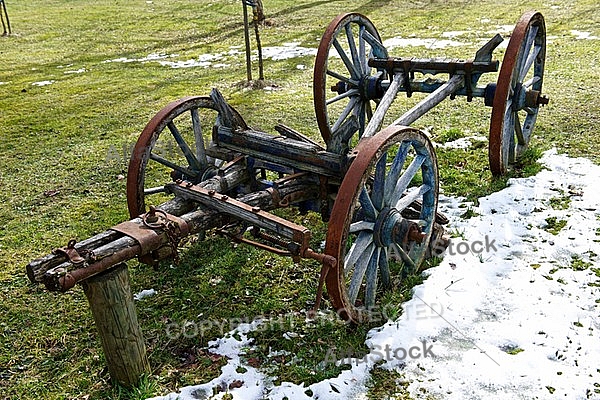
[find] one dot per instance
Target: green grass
(61, 179)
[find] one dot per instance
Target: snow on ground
(518, 321)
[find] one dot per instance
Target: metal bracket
(150, 233)
(70, 252)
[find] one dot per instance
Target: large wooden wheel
(518, 93)
(382, 219)
(344, 85)
(171, 147)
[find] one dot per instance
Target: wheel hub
(369, 87)
(390, 227)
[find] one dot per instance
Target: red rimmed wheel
(344, 86)
(171, 147)
(518, 95)
(382, 219)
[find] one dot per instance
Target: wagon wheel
(179, 153)
(376, 232)
(518, 93)
(344, 85)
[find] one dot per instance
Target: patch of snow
(414, 42)
(149, 57)
(43, 83)
(579, 35)
(287, 51)
(76, 71)
(462, 143)
(144, 293)
(453, 34)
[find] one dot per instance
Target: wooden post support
(112, 306)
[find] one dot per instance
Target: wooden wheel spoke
(187, 152)
(359, 272)
(362, 115)
(367, 204)
(404, 256)
(379, 182)
(411, 197)
(161, 160)
(342, 78)
(533, 80)
(347, 62)
(368, 110)
(362, 52)
(353, 49)
(363, 240)
(529, 62)
(384, 268)
(347, 110)
(361, 226)
(526, 49)
(378, 49)
(405, 179)
(518, 129)
(198, 137)
(349, 93)
(396, 169)
(508, 136)
(371, 279)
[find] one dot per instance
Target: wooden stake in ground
(247, 40)
(257, 12)
(258, 17)
(3, 11)
(112, 306)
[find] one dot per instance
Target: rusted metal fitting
(151, 216)
(535, 98)
(70, 252)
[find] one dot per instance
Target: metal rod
(430, 101)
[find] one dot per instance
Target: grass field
(65, 108)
